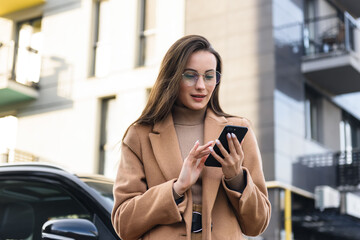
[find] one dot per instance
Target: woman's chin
(197, 107)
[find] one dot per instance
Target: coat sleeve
(252, 207)
(138, 208)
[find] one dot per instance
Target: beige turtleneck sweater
(189, 126)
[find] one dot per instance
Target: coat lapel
(166, 148)
(212, 176)
(167, 152)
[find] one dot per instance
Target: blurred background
(75, 73)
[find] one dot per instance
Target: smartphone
(240, 134)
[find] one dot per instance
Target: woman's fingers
(198, 151)
(203, 149)
(201, 163)
(238, 145)
(205, 146)
(231, 138)
(223, 151)
(193, 149)
(217, 157)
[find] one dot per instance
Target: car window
(104, 188)
(25, 205)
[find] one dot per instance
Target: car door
(27, 202)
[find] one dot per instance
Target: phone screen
(240, 134)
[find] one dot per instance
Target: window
(109, 137)
(309, 29)
(101, 48)
(147, 32)
(350, 133)
(27, 61)
(28, 204)
(313, 114)
(96, 17)
(8, 128)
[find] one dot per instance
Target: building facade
(75, 73)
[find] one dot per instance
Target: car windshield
(103, 186)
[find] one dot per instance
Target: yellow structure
(7, 6)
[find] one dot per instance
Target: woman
(162, 189)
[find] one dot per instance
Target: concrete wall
(241, 31)
(332, 117)
(63, 124)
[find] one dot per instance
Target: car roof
(53, 171)
(50, 166)
(32, 164)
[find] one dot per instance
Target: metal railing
(15, 155)
(346, 166)
(26, 67)
(318, 37)
(329, 34)
(6, 59)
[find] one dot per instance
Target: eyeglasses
(210, 78)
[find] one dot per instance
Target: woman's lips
(198, 97)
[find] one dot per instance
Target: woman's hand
(232, 161)
(191, 167)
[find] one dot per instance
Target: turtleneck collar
(186, 116)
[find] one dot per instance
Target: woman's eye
(190, 75)
(209, 77)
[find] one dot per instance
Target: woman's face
(197, 96)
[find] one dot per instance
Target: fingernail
(233, 135)
(196, 141)
(228, 135)
(217, 141)
(210, 142)
(211, 149)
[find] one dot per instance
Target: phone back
(240, 134)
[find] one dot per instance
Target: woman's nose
(200, 84)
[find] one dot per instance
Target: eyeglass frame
(217, 76)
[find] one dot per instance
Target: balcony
(18, 85)
(8, 7)
(331, 54)
(15, 155)
(350, 6)
(339, 217)
(340, 170)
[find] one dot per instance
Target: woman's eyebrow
(190, 69)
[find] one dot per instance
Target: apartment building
(75, 73)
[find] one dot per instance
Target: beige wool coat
(151, 161)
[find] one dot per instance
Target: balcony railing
(336, 169)
(331, 54)
(27, 66)
(11, 156)
(329, 35)
(18, 84)
(6, 59)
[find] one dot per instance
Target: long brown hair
(166, 88)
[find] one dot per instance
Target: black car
(40, 201)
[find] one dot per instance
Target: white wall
(7, 47)
(63, 125)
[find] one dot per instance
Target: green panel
(9, 96)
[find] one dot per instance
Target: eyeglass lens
(210, 77)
